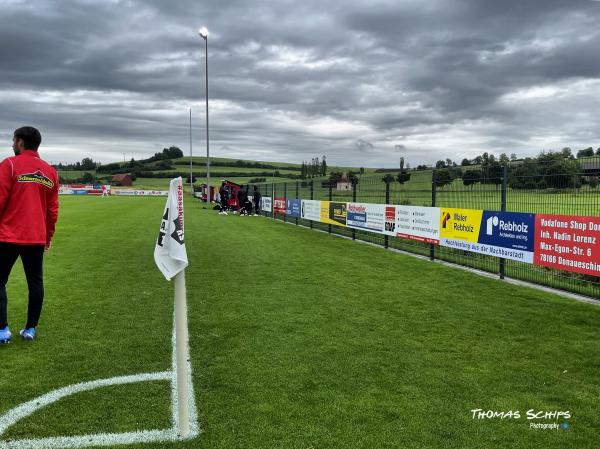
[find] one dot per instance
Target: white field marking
(99, 439)
(26, 409)
(105, 439)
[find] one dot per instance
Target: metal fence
(510, 188)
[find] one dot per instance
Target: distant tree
(165, 164)
(513, 157)
(335, 176)
(525, 175)
(440, 164)
(585, 153)
(566, 153)
(477, 161)
(593, 182)
(87, 178)
(485, 159)
(88, 164)
(362, 170)
(388, 179)
(471, 177)
(465, 162)
(598, 151)
(504, 160)
(314, 167)
(404, 174)
(172, 153)
(442, 178)
(562, 174)
(324, 166)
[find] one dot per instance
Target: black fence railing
(574, 193)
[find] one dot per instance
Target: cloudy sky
(363, 82)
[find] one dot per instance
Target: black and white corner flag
(169, 253)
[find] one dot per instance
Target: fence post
(266, 190)
(273, 202)
(503, 209)
(354, 201)
(285, 199)
(297, 193)
(386, 239)
(433, 191)
(312, 197)
(330, 198)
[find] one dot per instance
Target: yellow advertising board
(333, 213)
(460, 224)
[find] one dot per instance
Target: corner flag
(171, 258)
(169, 253)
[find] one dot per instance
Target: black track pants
(32, 257)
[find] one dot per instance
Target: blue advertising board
(292, 207)
(508, 234)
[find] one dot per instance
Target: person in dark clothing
(248, 204)
(242, 197)
(256, 197)
(224, 194)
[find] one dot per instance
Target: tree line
(547, 170)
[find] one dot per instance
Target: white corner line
(26, 409)
(100, 439)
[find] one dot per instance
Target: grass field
(298, 340)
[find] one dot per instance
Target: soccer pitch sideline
(298, 340)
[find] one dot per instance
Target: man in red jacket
(28, 214)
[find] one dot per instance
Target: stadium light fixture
(203, 32)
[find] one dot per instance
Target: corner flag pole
(171, 259)
(181, 338)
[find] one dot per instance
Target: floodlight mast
(203, 32)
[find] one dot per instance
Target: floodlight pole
(204, 34)
(191, 160)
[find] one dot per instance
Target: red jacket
(28, 199)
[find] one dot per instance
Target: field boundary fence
(508, 188)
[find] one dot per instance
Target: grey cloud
(363, 145)
(435, 72)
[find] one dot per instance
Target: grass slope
(298, 339)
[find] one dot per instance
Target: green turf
(298, 339)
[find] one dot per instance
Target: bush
(87, 178)
(471, 177)
(442, 178)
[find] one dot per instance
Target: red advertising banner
(279, 206)
(568, 243)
